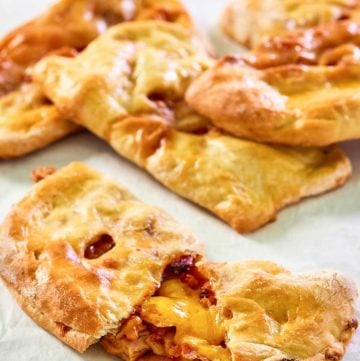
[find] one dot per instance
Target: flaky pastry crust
(250, 22)
(244, 183)
(288, 105)
(74, 24)
(330, 44)
(141, 113)
(249, 311)
(29, 120)
(80, 253)
(274, 315)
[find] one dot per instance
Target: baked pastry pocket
(294, 105)
(80, 253)
(28, 119)
(246, 311)
(128, 88)
(89, 262)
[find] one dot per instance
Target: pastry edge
(15, 144)
(78, 340)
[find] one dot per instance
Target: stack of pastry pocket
(28, 119)
(89, 262)
(128, 87)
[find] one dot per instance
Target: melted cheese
(197, 326)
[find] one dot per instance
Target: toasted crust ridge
(283, 105)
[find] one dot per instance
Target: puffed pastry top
(28, 119)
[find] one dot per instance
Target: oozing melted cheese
(197, 326)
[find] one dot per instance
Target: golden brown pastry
(171, 11)
(292, 105)
(250, 22)
(74, 24)
(89, 262)
(330, 44)
(244, 183)
(28, 119)
(138, 69)
(133, 98)
(249, 311)
(275, 315)
(80, 253)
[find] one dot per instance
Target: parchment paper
(320, 233)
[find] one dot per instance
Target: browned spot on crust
(332, 355)
(65, 51)
(352, 324)
(231, 60)
(63, 328)
(150, 228)
(41, 173)
(111, 263)
(227, 313)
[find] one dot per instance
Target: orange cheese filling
(180, 322)
(196, 326)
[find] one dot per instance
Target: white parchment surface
(320, 233)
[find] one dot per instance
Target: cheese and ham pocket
(80, 253)
(89, 262)
(251, 311)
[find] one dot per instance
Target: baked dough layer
(244, 183)
(32, 122)
(288, 104)
(74, 24)
(138, 70)
(330, 44)
(47, 253)
(251, 22)
(249, 311)
(28, 121)
(277, 315)
(133, 99)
